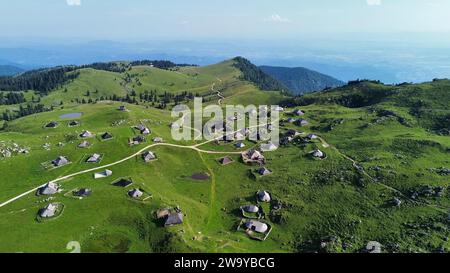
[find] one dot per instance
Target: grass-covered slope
(89, 84)
(327, 205)
(426, 104)
(138, 84)
(380, 143)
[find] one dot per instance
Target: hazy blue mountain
(10, 70)
(252, 73)
(301, 80)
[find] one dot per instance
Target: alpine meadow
(359, 161)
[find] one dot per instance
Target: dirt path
(219, 94)
(194, 147)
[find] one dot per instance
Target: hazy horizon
(393, 41)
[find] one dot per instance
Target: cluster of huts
(144, 131)
(85, 135)
(136, 140)
(256, 157)
(54, 209)
(292, 134)
(50, 210)
(252, 214)
(54, 124)
(52, 188)
(135, 193)
(85, 143)
(294, 118)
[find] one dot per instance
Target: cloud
(276, 18)
(374, 2)
(73, 2)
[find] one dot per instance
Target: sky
(218, 19)
(390, 40)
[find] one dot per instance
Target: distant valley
(9, 70)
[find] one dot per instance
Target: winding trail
(192, 147)
(219, 94)
(221, 98)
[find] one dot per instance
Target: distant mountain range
(252, 73)
(10, 70)
(298, 80)
(301, 80)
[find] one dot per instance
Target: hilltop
(159, 84)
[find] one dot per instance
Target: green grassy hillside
(165, 86)
(384, 178)
(426, 105)
(98, 83)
